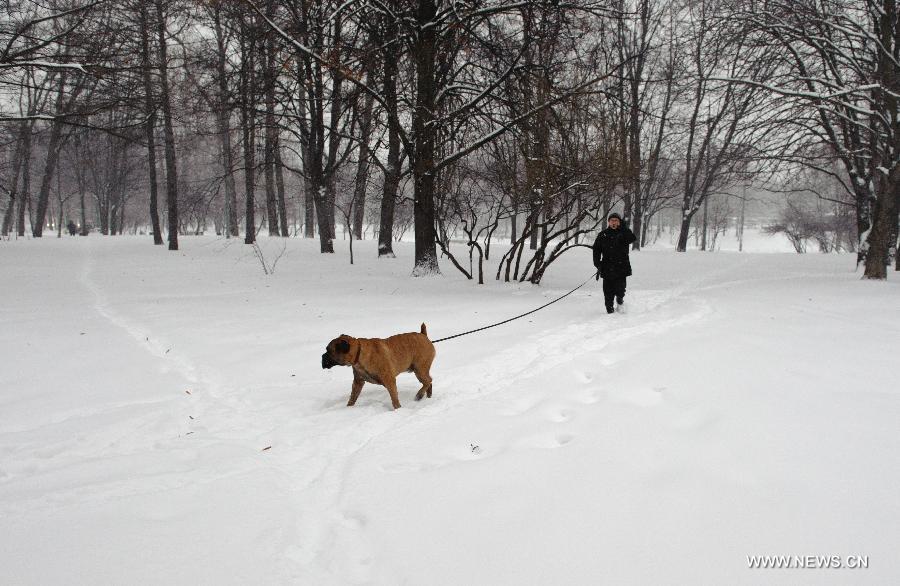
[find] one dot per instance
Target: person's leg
(620, 291)
(609, 293)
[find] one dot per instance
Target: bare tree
(165, 101)
(150, 106)
(363, 160)
(272, 130)
(839, 61)
(223, 111)
(649, 45)
(727, 125)
(319, 101)
(444, 43)
(36, 36)
(247, 36)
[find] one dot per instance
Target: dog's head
(339, 351)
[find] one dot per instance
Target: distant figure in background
(72, 228)
(611, 259)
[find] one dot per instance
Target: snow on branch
(44, 65)
(491, 136)
(813, 96)
(14, 118)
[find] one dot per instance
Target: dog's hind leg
(391, 386)
(424, 378)
(355, 391)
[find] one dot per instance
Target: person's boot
(610, 310)
(620, 299)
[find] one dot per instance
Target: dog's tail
(424, 330)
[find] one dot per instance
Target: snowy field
(164, 419)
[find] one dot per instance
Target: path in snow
(189, 435)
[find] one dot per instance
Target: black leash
(506, 321)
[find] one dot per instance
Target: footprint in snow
(638, 397)
(519, 406)
(560, 415)
(457, 454)
(401, 467)
(693, 420)
(355, 519)
(591, 396)
(584, 377)
(547, 441)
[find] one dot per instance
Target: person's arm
(629, 236)
(598, 255)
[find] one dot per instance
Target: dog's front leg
(391, 386)
(355, 391)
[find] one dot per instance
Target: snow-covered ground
(164, 419)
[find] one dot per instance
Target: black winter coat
(611, 252)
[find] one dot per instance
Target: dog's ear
(343, 346)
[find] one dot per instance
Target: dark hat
(614, 215)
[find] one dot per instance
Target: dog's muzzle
(327, 362)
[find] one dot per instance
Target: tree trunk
(881, 237)
(18, 164)
(249, 131)
(309, 194)
(53, 147)
(149, 125)
(635, 165)
(223, 121)
(103, 214)
(334, 140)
(863, 202)
(82, 189)
(309, 210)
(168, 131)
(897, 230)
(269, 163)
(535, 218)
(59, 214)
(279, 189)
(425, 128)
(309, 191)
(84, 222)
(271, 138)
(330, 199)
(636, 75)
(317, 181)
(388, 199)
(10, 209)
(122, 215)
(685, 232)
(114, 219)
(362, 167)
(325, 210)
(705, 224)
(742, 220)
(25, 194)
(392, 170)
(326, 242)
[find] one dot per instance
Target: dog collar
(358, 352)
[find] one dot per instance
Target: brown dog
(380, 360)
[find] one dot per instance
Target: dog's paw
(423, 393)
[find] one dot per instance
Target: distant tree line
(459, 121)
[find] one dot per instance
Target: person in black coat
(611, 259)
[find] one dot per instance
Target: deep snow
(164, 420)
